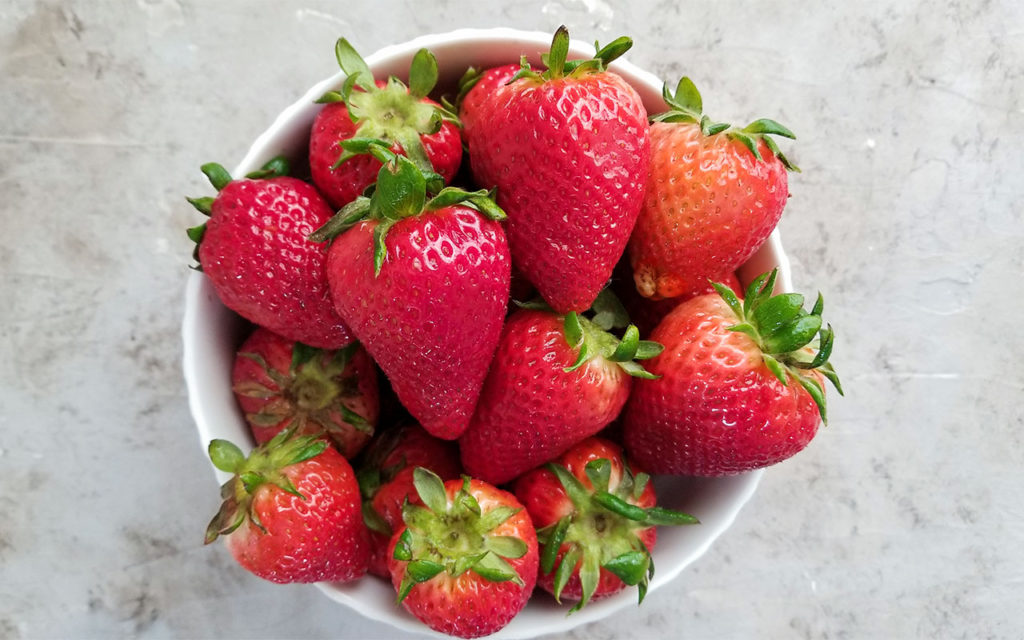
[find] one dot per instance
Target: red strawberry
(255, 251)
(568, 151)
(278, 383)
(403, 117)
(475, 88)
(595, 519)
(714, 195)
(427, 301)
(465, 563)
(647, 313)
(555, 381)
(386, 481)
(740, 387)
(291, 510)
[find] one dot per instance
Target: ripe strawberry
(278, 383)
(476, 87)
(713, 196)
(256, 254)
(409, 122)
(555, 381)
(428, 301)
(595, 520)
(291, 510)
(465, 563)
(568, 151)
(386, 481)
(740, 387)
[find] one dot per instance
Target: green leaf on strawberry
(263, 466)
(395, 112)
(400, 192)
(592, 337)
(792, 341)
(686, 105)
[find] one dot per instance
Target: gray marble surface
(904, 518)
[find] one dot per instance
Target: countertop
(903, 518)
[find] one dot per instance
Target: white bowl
(211, 334)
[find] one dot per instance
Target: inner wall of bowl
(212, 333)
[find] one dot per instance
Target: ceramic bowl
(211, 334)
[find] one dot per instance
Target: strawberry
(714, 194)
(424, 285)
(466, 562)
(386, 481)
(476, 87)
(595, 519)
(740, 386)
(555, 381)
(256, 254)
(409, 122)
(568, 151)
(291, 510)
(278, 382)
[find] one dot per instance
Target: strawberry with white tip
(714, 194)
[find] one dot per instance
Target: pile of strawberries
(498, 313)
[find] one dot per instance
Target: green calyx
(395, 113)
(558, 66)
(219, 178)
(265, 465)
(686, 105)
(313, 390)
(786, 334)
(401, 191)
(600, 533)
(454, 536)
(592, 337)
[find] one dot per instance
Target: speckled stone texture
(902, 519)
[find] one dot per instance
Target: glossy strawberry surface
(432, 318)
(273, 393)
(717, 409)
(490, 81)
(470, 606)
(262, 266)
(569, 157)
(318, 537)
(709, 205)
(343, 184)
(531, 409)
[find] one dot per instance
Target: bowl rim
(192, 322)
